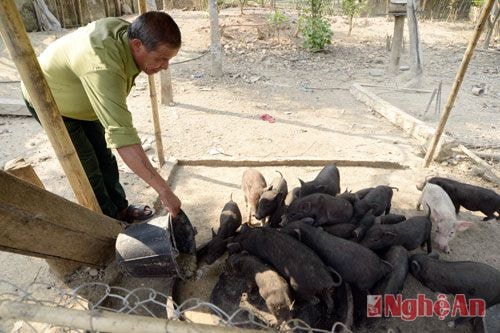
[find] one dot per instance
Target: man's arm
(136, 159)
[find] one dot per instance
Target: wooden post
(60, 10)
(118, 8)
(458, 81)
(107, 11)
(38, 223)
(16, 40)
(166, 95)
(215, 46)
(415, 45)
(397, 42)
(79, 17)
(154, 104)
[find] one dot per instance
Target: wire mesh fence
(44, 308)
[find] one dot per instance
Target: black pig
(471, 197)
(410, 233)
(473, 279)
(323, 208)
(378, 199)
(327, 181)
(229, 222)
(393, 282)
(356, 264)
(305, 271)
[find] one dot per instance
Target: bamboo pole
(105, 321)
(16, 40)
(154, 103)
(458, 81)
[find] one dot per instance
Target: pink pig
(442, 214)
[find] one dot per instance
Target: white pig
(442, 214)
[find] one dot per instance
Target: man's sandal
(135, 213)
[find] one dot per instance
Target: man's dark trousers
(98, 162)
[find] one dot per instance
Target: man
(90, 73)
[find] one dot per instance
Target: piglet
(322, 208)
(442, 214)
(471, 197)
(272, 287)
(342, 230)
(356, 264)
(252, 184)
(473, 279)
(327, 181)
(306, 273)
(377, 199)
(229, 222)
(271, 203)
(393, 282)
(410, 234)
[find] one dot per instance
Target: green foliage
(477, 3)
(352, 8)
(278, 19)
(317, 33)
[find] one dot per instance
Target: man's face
(153, 61)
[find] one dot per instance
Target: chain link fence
(44, 308)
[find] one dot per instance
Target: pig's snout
(442, 243)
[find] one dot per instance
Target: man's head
(154, 39)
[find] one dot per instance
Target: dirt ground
(316, 118)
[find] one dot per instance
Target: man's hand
(171, 202)
(136, 159)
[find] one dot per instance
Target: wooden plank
(36, 222)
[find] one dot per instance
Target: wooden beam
(18, 44)
(397, 42)
(39, 223)
(458, 81)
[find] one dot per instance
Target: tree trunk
(492, 22)
(46, 20)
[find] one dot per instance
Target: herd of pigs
(314, 253)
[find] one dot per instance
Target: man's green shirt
(90, 73)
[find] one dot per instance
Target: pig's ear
(390, 235)
(301, 182)
(463, 225)
(269, 188)
(415, 266)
